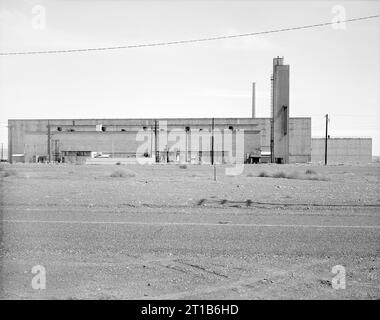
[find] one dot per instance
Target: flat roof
(167, 118)
(341, 138)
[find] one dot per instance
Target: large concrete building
(278, 139)
(77, 139)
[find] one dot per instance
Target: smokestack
(278, 61)
(253, 101)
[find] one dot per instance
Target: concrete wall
(299, 138)
(120, 138)
(30, 137)
(5, 153)
(264, 127)
(342, 150)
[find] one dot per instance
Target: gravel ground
(164, 232)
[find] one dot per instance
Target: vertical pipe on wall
(212, 141)
(10, 142)
(326, 137)
(271, 120)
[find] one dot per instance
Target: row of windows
(103, 129)
(69, 129)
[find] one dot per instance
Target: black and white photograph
(183, 150)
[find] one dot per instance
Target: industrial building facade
(161, 140)
(277, 139)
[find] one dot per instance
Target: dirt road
(171, 233)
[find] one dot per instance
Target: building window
(285, 119)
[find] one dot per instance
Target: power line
(187, 41)
(346, 115)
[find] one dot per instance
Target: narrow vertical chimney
(253, 101)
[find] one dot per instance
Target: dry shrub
(250, 175)
(9, 173)
(316, 177)
(310, 171)
(279, 174)
(294, 175)
(122, 174)
(264, 174)
(183, 166)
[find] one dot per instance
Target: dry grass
(295, 175)
(281, 175)
(122, 174)
(310, 171)
(8, 173)
(317, 177)
(264, 174)
(308, 175)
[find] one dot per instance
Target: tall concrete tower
(280, 112)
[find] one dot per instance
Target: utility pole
(155, 141)
(253, 100)
(48, 142)
(212, 148)
(326, 137)
(186, 147)
(212, 141)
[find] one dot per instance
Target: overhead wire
(169, 43)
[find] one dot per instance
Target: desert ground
(166, 232)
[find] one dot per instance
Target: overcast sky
(334, 71)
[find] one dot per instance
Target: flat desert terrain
(166, 232)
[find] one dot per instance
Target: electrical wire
(187, 41)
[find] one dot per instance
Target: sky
(333, 70)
